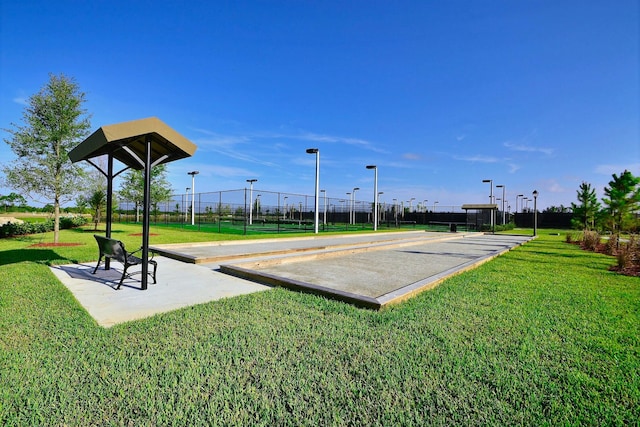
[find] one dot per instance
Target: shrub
(505, 227)
(591, 240)
(628, 254)
(612, 245)
(624, 256)
(573, 237)
(72, 221)
(21, 229)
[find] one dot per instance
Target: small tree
(584, 213)
(97, 202)
(622, 199)
(55, 122)
(10, 200)
(132, 187)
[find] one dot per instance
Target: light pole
(349, 196)
(193, 195)
(258, 207)
(434, 206)
(324, 197)
(251, 181)
(519, 195)
(317, 153)
(490, 181)
(503, 200)
(535, 212)
(395, 211)
(284, 217)
(352, 216)
(186, 209)
(375, 195)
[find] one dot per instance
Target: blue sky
(438, 94)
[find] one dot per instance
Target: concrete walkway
(370, 270)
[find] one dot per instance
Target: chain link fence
(257, 211)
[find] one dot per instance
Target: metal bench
(114, 249)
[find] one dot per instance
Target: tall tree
(584, 213)
(54, 123)
(132, 187)
(622, 199)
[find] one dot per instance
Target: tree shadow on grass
(40, 256)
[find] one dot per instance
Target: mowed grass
(542, 335)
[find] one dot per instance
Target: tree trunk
(56, 219)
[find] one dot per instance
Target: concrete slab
(370, 270)
(376, 277)
(212, 252)
(179, 285)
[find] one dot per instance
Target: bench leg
(97, 265)
(155, 268)
(126, 266)
(124, 274)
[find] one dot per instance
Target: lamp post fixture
(375, 195)
(434, 206)
(251, 181)
(535, 212)
(315, 217)
(193, 195)
(352, 214)
(490, 181)
(503, 201)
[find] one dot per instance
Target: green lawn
(542, 335)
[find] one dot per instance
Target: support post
(145, 216)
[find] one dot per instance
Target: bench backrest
(111, 248)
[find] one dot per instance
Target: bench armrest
(153, 253)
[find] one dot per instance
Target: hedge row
(21, 229)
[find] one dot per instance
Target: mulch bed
(633, 270)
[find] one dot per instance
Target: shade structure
(480, 207)
(126, 142)
(138, 144)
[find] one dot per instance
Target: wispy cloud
(333, 139)
(227, 171)
(21, 100)
(528, 148)
(513, 168)
(412, 156)
(233, 146)
(478, 159)
(225, 144)
(552, 186)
